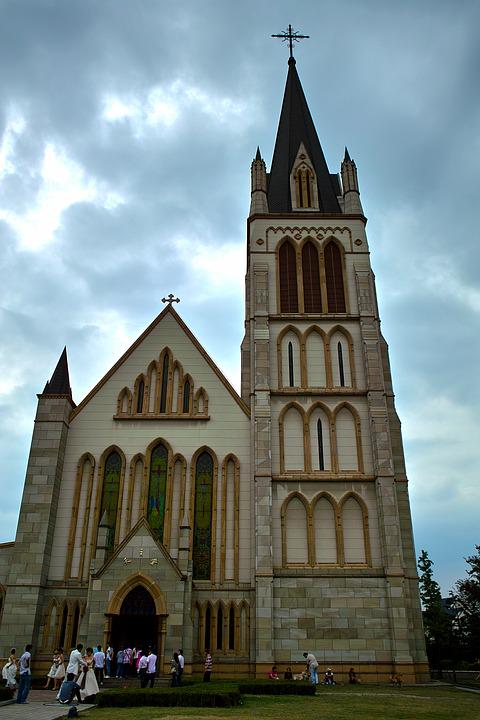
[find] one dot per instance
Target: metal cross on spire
(291, 36)
(170, 299)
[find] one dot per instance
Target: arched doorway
(136, 625)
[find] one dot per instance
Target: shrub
(170, 697)
(5, 694)
(274, 687)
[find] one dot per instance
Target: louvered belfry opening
(311, 279)
(334, 279)
(288, 279)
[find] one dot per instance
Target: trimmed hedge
(5, 694)
(170, 697)
(277, 687)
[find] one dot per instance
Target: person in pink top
(151, 667)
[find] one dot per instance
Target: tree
(436, 621)
(466, 601)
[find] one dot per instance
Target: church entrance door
(137, 625)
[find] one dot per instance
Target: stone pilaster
(30, 563)
(262, 467)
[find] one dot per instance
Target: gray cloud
(151, 113)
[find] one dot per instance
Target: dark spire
(347, 155)
(258, 156)
(60, 382)
(296, 126)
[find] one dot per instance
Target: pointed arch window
(231, 628)
(303, 183)
(291, 376)
(340, 364)
(202, 524)
(186, 397)
(334, 278)
(140, 394)
(208, 627)
(163, 394)
(157, 490)
(288, 278)
(220, 628)
(321, 457)
(76, 623)
(63, 627)
(312, 299)
(110, 493)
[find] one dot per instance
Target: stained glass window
(288, 278)
(111, 488)
(202, 524)
(334, 278)
(157, 490)
(163, 395)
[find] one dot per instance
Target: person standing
(312, 667)
(181, 665)
(25, 675)
(99, 659)
(52, 673)
(207, 668)
(60, 674)
(88, 684)
(142, 670)
(174, 667)
(108, 660)
(120, 662)
(75, 663)
(9, 672)
(151, 667)
(127, 661)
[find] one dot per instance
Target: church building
(167, 510)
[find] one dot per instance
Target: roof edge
(136, 343)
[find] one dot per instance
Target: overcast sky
(127, 129)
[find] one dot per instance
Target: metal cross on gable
(170, 299)
(291, 36)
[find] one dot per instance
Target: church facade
(167, 510)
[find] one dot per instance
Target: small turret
(59, 385)
(258, 202)
(351, 193)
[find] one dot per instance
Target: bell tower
(335, 569)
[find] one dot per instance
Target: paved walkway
(41, 705)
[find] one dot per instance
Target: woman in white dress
(9, 672)
(57, 670)
(86, 679)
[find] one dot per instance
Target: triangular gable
(140, 339)
(141, 524)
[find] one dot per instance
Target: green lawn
(367, 702)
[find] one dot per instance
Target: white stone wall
(347, 442)
(352, 530)
(94, 429)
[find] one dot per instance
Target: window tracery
(163, 392)
(325, 531)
